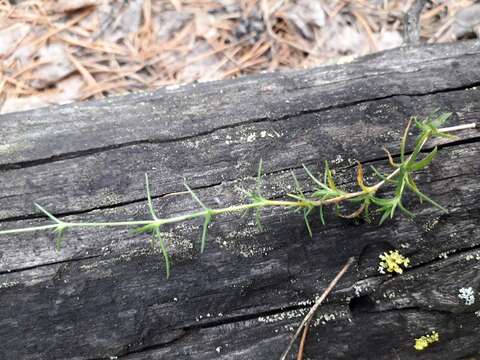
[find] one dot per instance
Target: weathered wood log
(105, 293)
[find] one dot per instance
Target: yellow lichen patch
(392, 262)
(423, 342)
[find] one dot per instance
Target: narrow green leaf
(60, 232)
(306, 212)
(314, 179)
(244, 213)
(337, 209)
(318, 193)
(322, 218)
(393, 208)
(400, 186)
(421, 139)
(420, 125)
(357, 199)
(144, 229)
(379, 174)
(441, 119)
(259, 176)
(328, 178)
(404, 141)
(50, 216)
(366, 211)
(297, 184)
(149, 198)
(325, 174)
(426, 198)
(253, 197)
(208, 219)
(412, 183)
(331, 182)
(382, 202)
(163, 248)
(296, 197)
(405, 210)
(257, 219)
(195, 197)
(425, 161)
(384, 216)
(445, 135)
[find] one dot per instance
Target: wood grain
(104, 294)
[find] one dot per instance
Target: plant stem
(261, 203)
(458, 127)
(28, 229)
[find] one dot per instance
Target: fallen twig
(308, 318)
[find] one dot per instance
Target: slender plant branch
(326, 193)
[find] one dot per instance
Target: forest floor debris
(55, 52)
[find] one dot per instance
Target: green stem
(28, 229)
(157, 222)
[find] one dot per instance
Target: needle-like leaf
(50, 216)
(419, 165)
(158, 236)
(297, 185)
(208, 219)
(405, 210)
(306, 212)
(322, 218)
(426, 198)
(314, 179)
(404, 141)
(195, 197)
(259, 176)
(59, 232)
(384, 217)
(329, 178)
(149, 198)
(258, 220)
(440, 119)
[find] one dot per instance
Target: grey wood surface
(105, 294)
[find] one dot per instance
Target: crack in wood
(427, 149)
(78, 154)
